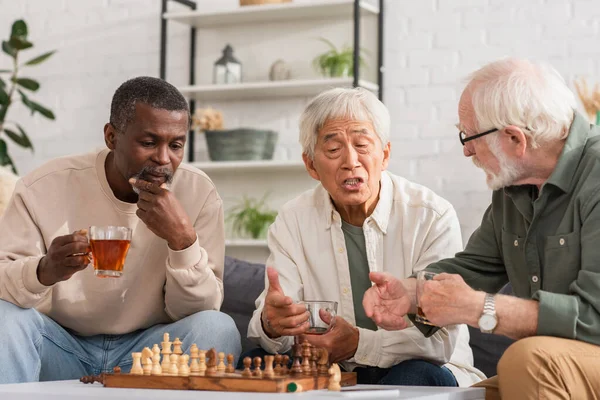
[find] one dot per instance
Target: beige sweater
(158, 285)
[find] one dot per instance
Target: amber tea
(321, 316)
(422, 276)
(109, 247)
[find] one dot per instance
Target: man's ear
(110, 136)
(517, 140)
(310, 166)
(386, 156)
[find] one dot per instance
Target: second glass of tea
(109, 246)
(422, 277)
(319, 313)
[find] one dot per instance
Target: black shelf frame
(192, 53)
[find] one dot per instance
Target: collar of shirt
(381, 214)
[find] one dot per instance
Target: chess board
(229, 382)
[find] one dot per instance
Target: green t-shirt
(359, 272)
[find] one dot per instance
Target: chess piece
(147, 360)
(183, 369)
(211, 364)
(247, 362)
(202, 363)
(297, 353)
(322, 364)
(230, 367)
(136, 367)
(177, 347)
(194, 366)
(306, 370)
(335, 376)
(278, 367)
(117, 370)
(269, 372)
(156, 368)
(221, 367)
(314, 356)
(173, 370)
(257, 371)
(166, 351)
(285, 366)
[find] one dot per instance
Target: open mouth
(353, 183)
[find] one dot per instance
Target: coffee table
(74, 390)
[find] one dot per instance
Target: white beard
(509, 172)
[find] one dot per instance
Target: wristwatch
(488, 321)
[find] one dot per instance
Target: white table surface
(67, 390)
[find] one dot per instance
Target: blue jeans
(407, 373)
(33, 347)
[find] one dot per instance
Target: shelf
(248, 166)
(329, 9)
(269, 89)
(246, 243)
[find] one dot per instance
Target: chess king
(60, 321)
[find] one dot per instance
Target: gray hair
(525, 94)
(357, 104)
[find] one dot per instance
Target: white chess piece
(147, 360)
(194, 366)
(221, 367)
(156, 368)
(202, 364)
(173, 370)
(166, 351)
(136, 367)
(184, 370)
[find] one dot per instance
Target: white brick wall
(431, 45)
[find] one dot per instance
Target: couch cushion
(243, 282)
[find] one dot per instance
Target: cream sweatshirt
(158, 285)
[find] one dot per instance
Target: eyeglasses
(464, 139)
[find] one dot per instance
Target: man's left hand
(448, 300)
(341, 341)
(162, 213)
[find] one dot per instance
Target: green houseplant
(12, 85)
(336, 62)
(251, 217)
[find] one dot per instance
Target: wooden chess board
(227, 382)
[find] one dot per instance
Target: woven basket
(256, 2)
(240, 144)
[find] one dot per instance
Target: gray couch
(244, 282)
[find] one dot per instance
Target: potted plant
(336, 62)
(15, 84)
(251, 218)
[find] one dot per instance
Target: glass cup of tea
(109, 245)
(319, 313)
(422, 277)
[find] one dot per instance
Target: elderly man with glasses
(541, 233)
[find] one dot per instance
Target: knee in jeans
(221, 324)
(13, 316)
(522, 354)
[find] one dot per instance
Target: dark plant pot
(241, 144)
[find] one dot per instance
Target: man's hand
(280, 316)
(387, 302)
(163, 215)
(341, 341)
(67, 254)
(448, 300)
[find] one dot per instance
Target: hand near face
(66, 255)
(341, 341)
(387, 302)
(448, 300)
(162, 213)
(280, 315)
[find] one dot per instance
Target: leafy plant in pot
(337, 62)
(14, 85)
(251, 218)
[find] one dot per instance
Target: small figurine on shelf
(227, 69)
(205, 119)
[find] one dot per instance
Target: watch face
(487, 322)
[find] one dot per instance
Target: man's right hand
(280, 315)
(67, 254)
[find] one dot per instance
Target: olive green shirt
(548, 245)
(356, 250)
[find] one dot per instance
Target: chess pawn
(257, 371)
(173, 370)
(322, 364)
(278, 367)
(183, 369)
(284, 367)
(194, 366)
(230, 367)
(202, 363)
(156, 368)
(221, 367)
(177, 347)
(247, 372)
(269, 372)
(136, 367)
(166, 351)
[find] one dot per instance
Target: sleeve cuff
(30, 279)
(369, 344)
(558, 314)
(186, 258)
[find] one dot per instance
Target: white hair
(356, 104)
(525, 94)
